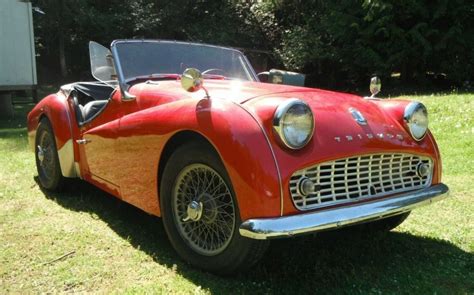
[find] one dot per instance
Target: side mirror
(283, 77)
(375, 86)
(191, 81)
(102, 64)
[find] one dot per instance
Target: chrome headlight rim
(279, 115)
(410, 110)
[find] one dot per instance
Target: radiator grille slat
(360, 177)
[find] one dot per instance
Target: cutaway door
(98, 156)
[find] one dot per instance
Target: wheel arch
(176, 140)
(219, 245)
(186, 136)
(234, 134)
(54, 108)
(241, 145)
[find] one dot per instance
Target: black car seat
(92, 108)
(90, 99)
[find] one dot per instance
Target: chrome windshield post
(126, 96)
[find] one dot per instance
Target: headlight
(294, 123)
(416, 118)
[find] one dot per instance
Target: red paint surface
(128, 137)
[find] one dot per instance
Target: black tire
(47, 160)
(386, 224)
(237, 253)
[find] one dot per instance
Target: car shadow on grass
(344, 261)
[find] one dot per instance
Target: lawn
(84, 240)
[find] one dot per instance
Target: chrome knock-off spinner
(194, 211)
(40, 154)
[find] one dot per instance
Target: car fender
(55, 108)
(396, 108)
(236, 136)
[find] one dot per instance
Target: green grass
(117, 248)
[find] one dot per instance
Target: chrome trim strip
(114, 42)
(118, 66)
(249, 65)
(288, 226)
(280, 112)
(410, 109)
(280, 181)
(438, 163)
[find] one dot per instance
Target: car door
(98, 144)
(98, 137)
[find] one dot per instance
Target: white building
(17, 51)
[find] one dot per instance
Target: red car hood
(331, 109)
(244, 91)
(237, 91)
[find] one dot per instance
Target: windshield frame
(124, 82)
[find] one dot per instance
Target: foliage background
(336, 43)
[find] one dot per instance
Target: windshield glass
(145, 58)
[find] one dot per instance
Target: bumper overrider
(289, 226)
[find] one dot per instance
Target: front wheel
(200, 212)
(47, 160)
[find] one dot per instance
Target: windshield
(146, 58)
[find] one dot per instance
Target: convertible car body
(230, 162)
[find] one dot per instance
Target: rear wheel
(47, 161)
(200, 212)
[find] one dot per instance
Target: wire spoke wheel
(45, 155)
(47, 161)
(200, 212)
(203, 209)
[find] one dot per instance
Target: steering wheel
(214, 70)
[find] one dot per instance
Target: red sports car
(188, 132)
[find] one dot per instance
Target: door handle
(83, 141)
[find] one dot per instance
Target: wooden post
(6, 106)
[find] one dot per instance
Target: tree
(336, 43)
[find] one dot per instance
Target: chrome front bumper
(288, 226)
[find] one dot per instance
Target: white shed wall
(17, 47)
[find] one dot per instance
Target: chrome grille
(361, 177)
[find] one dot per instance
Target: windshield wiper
(153, 77)
(172, 77)
(216, 77)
